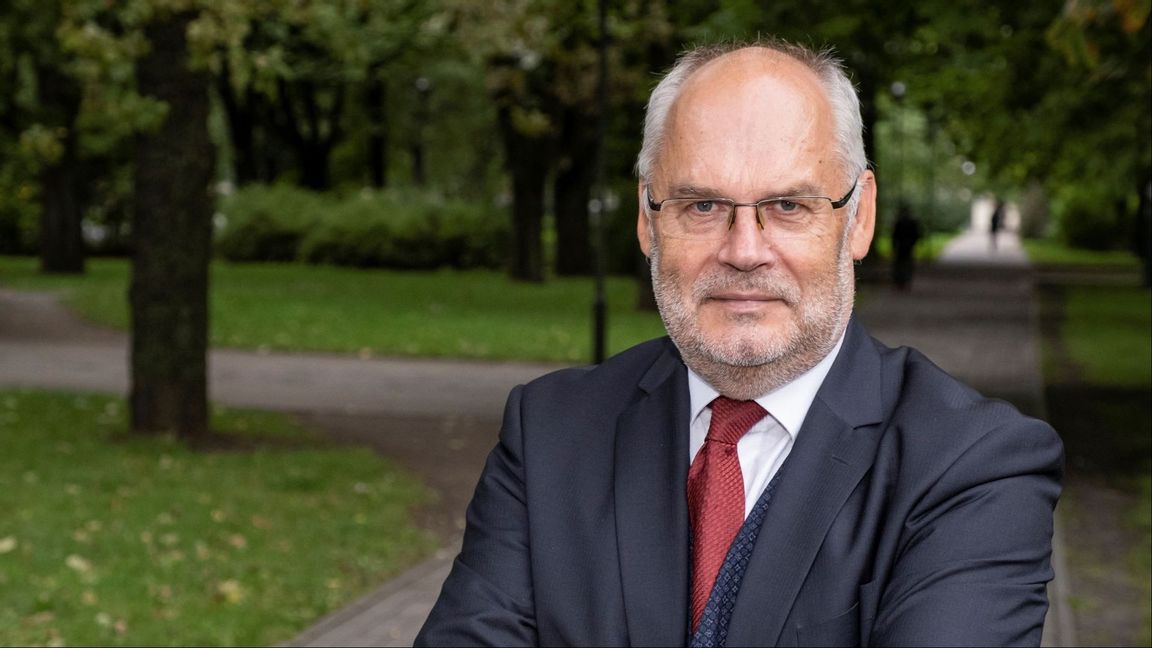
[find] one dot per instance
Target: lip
(743, 301)
(743, 297)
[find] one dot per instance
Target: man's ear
(864, 226)
(642, 222)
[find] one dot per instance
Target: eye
(787, 206)
(704, 206)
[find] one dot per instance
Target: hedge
(390, 229)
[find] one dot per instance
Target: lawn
(1053, 252)
(110, 540)
(1098, 374)
(461, 314)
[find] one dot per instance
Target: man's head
(754, 306)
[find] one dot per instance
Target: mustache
(766, 284)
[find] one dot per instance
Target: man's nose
(746, 245)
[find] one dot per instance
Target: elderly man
(769, 475)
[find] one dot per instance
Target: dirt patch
(1107, 435)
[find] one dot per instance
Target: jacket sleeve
(974, 555)
(487, 599)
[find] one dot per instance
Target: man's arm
(487, 598)
(974, 556)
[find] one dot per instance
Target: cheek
(683, 262)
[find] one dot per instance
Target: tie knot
(731, 419)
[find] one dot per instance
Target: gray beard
(744, 368)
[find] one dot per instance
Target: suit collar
(651, 467)
(832, 454)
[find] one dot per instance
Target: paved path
(41, 345)
(972, 313)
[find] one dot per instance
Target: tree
(287, 72)
(172, 228)
(47, 124)
(541, 58)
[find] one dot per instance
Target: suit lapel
(651, 466)
(833, 451)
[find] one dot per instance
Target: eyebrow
(696, 191)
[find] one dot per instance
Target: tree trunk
(527, 160)
(376, 105)
(240, 114)
(1143, 230)
(571, 191)
(313, 158)
(172, 230)
(61, 236)
(527, 222)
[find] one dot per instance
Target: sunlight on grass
(466, 314)
(1051, 252)
(1107, 331)
(107, 540)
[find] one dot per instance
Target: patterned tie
(716, 494)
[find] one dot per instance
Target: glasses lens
(703, 219)
(695, 219)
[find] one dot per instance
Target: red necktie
(716, 494)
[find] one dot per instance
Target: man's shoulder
(932, 411)
(617, 376)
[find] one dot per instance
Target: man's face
(748, 126)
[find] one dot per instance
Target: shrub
(266, 223)
(393, 229)
(1091, 220)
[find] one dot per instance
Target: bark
(61, 236)
(527, 159)
(240, 112)
(572, 189)
(376, 105)
(172, 240)
(1143, 230)
(310, 128)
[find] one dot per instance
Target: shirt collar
(788, 404)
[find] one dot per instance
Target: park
(268, 271)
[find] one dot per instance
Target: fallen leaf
(78, 563)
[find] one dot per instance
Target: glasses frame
(836, 204)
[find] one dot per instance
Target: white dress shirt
(765, 447)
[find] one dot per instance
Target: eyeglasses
(711, 218)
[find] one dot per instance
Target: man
(770, 475)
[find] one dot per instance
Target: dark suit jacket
(913, 511)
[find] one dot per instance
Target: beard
(745, 362)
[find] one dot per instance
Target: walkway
(972, 313)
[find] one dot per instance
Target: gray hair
(823, 63)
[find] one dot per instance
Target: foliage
(266, 223)
(393, 229)
(110, 540)
(1088, 218)
(472, 314)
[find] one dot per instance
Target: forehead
(750, 121)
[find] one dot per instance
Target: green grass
(927, 249)
(1051, 252)
(469, 314)
(1108, 332)
(109, 540)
